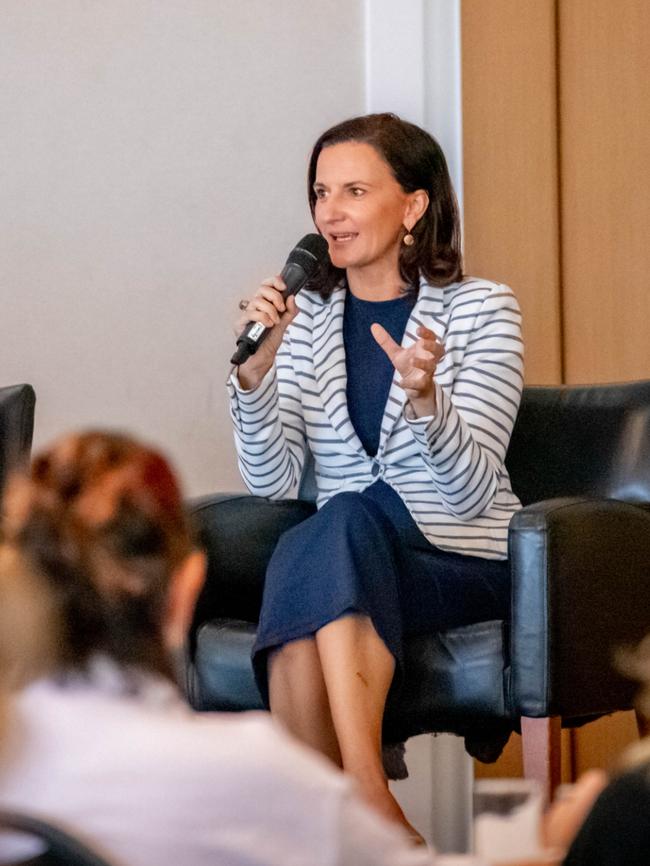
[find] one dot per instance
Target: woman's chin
(344, 259)
(339, 258)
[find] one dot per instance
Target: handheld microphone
(303, 262)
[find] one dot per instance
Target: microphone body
(303, 262)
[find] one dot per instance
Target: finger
(259, 310)
(272, 294)
(261, 305)
(425, 333)
(275, 282)
(420, 350)
(427, 360)
(428, 365)
(437, 349)
(416, 380)
(384, 339)
(292, 309)
(429, 346)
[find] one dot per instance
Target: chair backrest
(58, 847)
(582, 441)
(16, 427)
(573, 441)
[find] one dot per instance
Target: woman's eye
(357, 192)
(320, 193)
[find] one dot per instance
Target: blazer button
(375, 470)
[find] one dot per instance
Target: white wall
(152, 171)
(427, 89)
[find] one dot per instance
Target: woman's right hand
(268, 307)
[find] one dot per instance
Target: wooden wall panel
(605, 189)
(556, 119)
(598, 744)
(510, 164)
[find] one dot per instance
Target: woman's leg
(330, 693)
(298, 697)
(358, 670)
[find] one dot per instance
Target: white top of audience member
(132, 771)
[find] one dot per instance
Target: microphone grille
(310, 252)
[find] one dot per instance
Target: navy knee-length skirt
(363, 553)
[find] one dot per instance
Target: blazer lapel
(428, 311)
(330, 370)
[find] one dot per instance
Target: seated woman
(402, 378)
(98, 578)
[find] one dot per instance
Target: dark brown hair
(99, 520)
(417, 162)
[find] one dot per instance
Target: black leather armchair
(16, 427)
(579, 551)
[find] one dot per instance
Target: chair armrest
(16, 427)
(581, 589)
(239, 533)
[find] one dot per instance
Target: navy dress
(363, 552)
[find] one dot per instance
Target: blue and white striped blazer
(447, 468)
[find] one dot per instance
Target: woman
(403, 380)
(98, 578)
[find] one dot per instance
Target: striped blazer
(448, 468)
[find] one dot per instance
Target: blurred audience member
(616, 831)
(98, 578)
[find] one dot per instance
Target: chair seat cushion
(463, 669)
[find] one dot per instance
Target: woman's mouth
(343, 237)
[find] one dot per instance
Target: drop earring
(408, 240)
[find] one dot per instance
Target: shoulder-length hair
(417, 162)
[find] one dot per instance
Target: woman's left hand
(416, 365)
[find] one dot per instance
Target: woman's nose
(332, 209)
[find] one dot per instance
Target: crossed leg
(330, 692)
(298, 696)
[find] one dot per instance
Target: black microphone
(303, 262)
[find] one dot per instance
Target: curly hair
(417, 162)
(99, 521)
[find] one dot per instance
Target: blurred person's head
(96, 558)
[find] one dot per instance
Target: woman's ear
(417, 204)
(184, 588)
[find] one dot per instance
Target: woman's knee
(301, 650)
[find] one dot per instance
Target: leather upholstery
(579, 460)
(16, 427)
(582, 441)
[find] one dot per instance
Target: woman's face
(360, 207)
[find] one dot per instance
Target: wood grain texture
(510, 173)
(605, 189)
(556, 117)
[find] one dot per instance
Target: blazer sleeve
(269, 429)
(464, 444)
